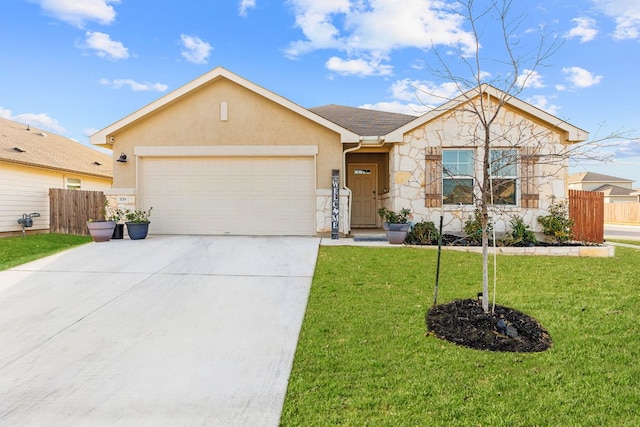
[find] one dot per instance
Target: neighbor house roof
(572, 134)
(25, 145)
(363, 121)
(595, 177)
(102, 137)
(615, 190)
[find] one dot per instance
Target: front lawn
(19, 250)
(364, 358)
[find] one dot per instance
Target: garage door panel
(250, 196)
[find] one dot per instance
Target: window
(73, 184)
(457, 177)
(504, 176)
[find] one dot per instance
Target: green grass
(364, 358)
(19, 250)
(627, 241)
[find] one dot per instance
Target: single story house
(616, 190)
(32, 161)
(222, 155)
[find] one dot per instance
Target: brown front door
(363, 182)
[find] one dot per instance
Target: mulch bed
(465, 323)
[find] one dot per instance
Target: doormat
(371, 238)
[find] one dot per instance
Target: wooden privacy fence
(69, 210)
(586, 209)
(622, 213)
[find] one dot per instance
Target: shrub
(400, 217)
(521, 234)
(557, 225)
(473, 227)
(422, 233)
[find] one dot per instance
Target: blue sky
(75, 66)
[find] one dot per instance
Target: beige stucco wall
(455, 129)
(194, 119)
(25, 189)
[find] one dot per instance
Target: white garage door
(229, 195)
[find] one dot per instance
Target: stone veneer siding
(408, 164)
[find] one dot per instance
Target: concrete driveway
(167, 331)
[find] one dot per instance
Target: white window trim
(515, 177)
(446, 176)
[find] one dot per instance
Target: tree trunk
(484, 208)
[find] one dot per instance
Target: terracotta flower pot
(101, 231)
(396, 233)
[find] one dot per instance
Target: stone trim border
(600, 251)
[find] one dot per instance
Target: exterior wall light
(122, 158)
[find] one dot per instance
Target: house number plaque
(335, 203)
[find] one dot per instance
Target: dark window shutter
(529, 196)
(433, 177)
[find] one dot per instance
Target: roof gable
(572, 133)
(595, 177)
(24, 145)
(615, 190)
(101, 137)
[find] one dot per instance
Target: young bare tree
(502, 141)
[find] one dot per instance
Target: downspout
(380, 142)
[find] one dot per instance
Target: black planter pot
(137, 230)
(118, 232)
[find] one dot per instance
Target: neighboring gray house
(32, 161)
(616, 190)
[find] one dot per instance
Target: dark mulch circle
(465, 323)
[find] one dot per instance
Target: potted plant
(137, 223)
(116, 215)
(395, 224)
(101, 230)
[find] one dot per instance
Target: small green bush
(473, 227)
(521, 234)
(557, 226)
(422, 233)
(401, 217)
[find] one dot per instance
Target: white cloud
(78, 12)
(543, 103)
(584, 29)
(397, 107)
(245, 5)
(37, 120)
(580, 77)
(105, 47)
(530, 79)
(134, 85)
(415, 96)
(426, 93)
(358, 67)
(194, 49)
(626, 14)
(374, 28)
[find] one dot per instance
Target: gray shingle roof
(614, 190)
(29, 146)
(362, 121)
(595, 177)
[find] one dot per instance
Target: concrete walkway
(168, 331)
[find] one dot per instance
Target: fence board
(586, 209)
(70, 210)
(622, 213)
